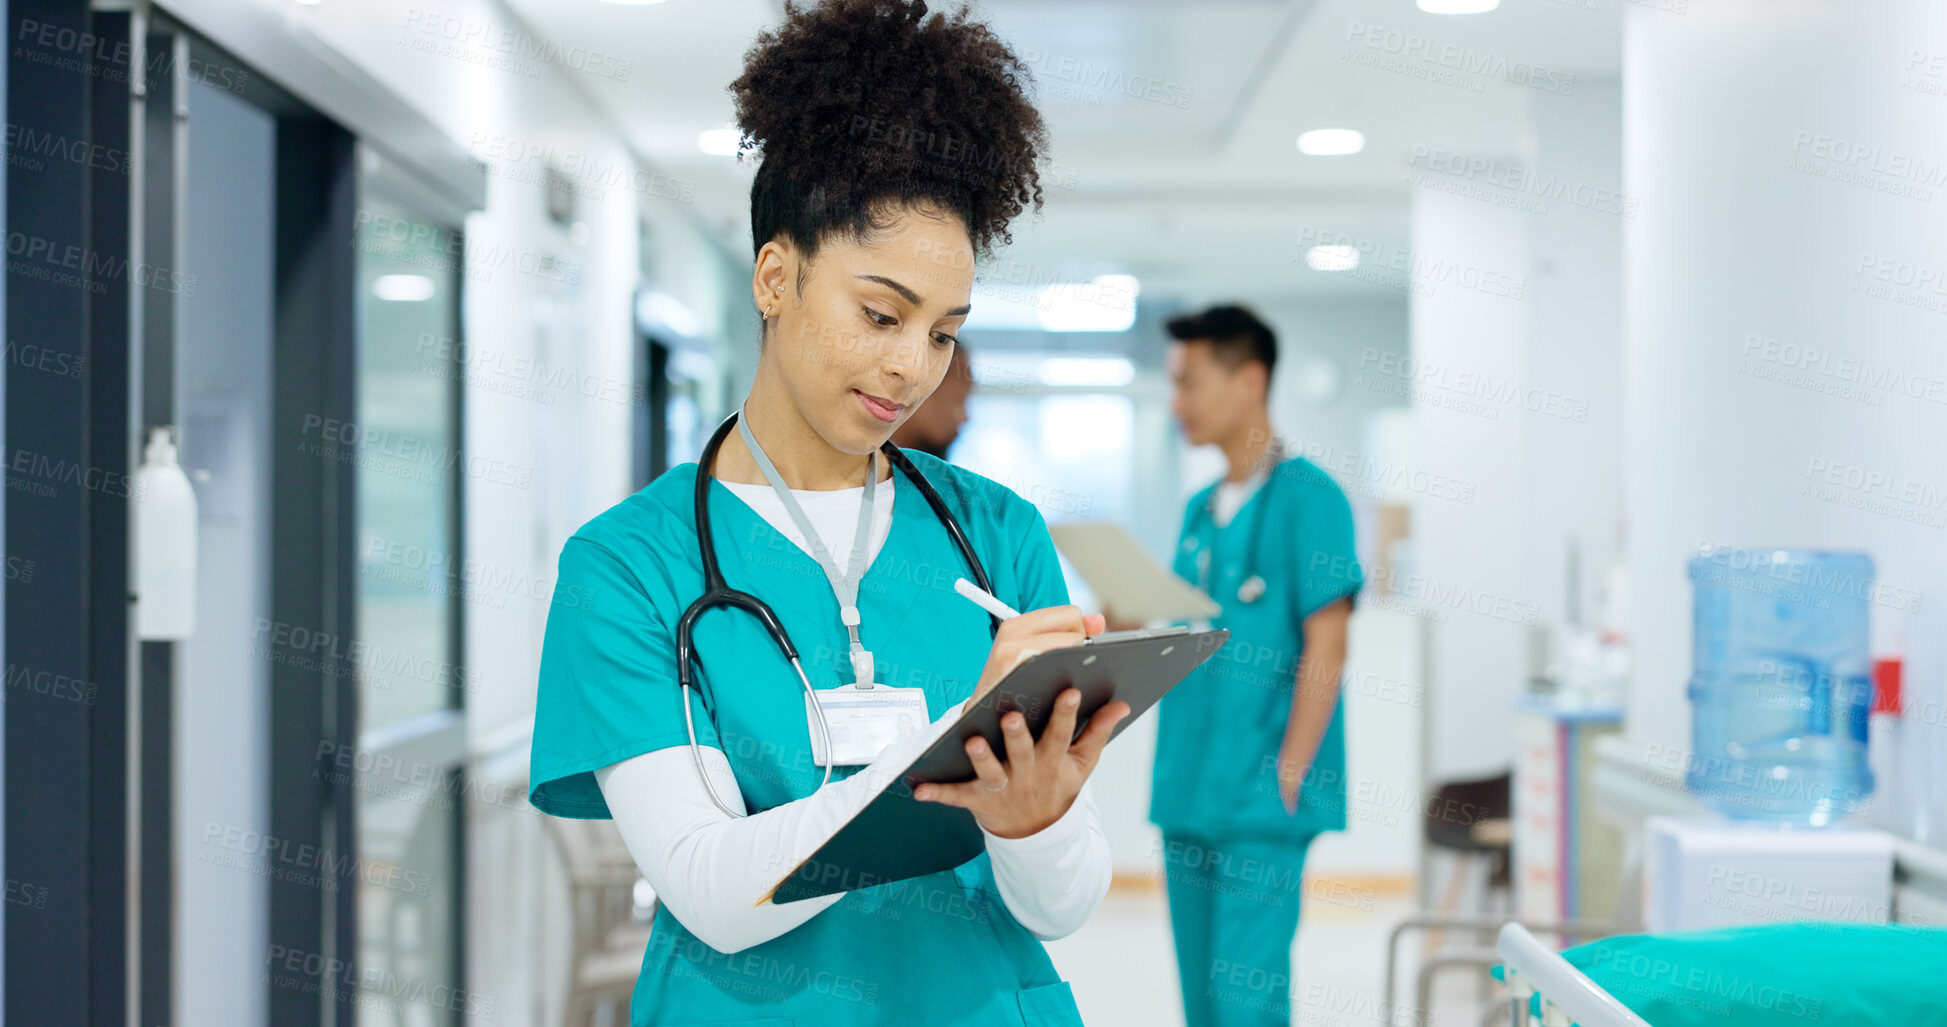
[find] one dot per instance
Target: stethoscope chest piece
(1251, 589)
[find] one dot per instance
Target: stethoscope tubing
(1252, 549)
(717, 592)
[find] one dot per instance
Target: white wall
(1517, 382)
(1384, 692)
(1575, 333)
(1469, 326)
(1352, 335)
(1752, 226)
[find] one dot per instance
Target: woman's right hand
(1032, 633)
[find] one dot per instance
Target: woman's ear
(770, 277)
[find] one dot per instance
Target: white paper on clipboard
(1125, 577)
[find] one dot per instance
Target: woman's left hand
(1039, 779)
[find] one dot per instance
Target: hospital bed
(1546, 989)
(1566, 995)
(1774, 974)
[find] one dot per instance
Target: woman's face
(871, 333)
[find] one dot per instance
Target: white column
(1571, 398)
(1517, 377)
(1786, 299)
(1469, 327)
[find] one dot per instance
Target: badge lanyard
(863, 717)
(718, 595)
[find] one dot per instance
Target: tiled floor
(1123, 969)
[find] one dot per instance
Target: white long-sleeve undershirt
(713, 869)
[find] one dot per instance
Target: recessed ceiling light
(1458, 6)
(1331, 142)
(718, 142)
(1332, 257)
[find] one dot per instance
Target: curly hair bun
(855, 103)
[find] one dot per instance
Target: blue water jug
(1780, 683)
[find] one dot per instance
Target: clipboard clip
(1135, 633)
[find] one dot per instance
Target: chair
(1481, 838)
(1484, 835)
(610, 925)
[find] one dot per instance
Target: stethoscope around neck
(717, 592)
(1251, 589)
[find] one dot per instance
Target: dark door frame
(87, 759)
(314, 507)
(650, 411)
(66, 774)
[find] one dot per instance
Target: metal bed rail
(1482, 927)
(1567, 995)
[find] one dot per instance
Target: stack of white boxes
(1712, 872)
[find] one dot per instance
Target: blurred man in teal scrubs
(1250, 751)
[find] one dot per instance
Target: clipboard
(896, 837)
(1125, 577)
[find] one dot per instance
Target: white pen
(984, 600)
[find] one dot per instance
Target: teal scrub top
(940, 949)
(1219, 731)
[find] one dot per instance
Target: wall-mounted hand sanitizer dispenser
(165, 544)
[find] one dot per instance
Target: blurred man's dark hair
(1234, 333)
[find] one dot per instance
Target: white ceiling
(1204, 200)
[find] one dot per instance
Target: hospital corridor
(922, 513)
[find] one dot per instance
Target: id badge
(863, 721)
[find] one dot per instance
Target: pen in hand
(1041, 775)
(984, 599)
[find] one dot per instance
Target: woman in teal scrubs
(1250, 748)
(895, 149)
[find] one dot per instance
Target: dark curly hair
(865, 107)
